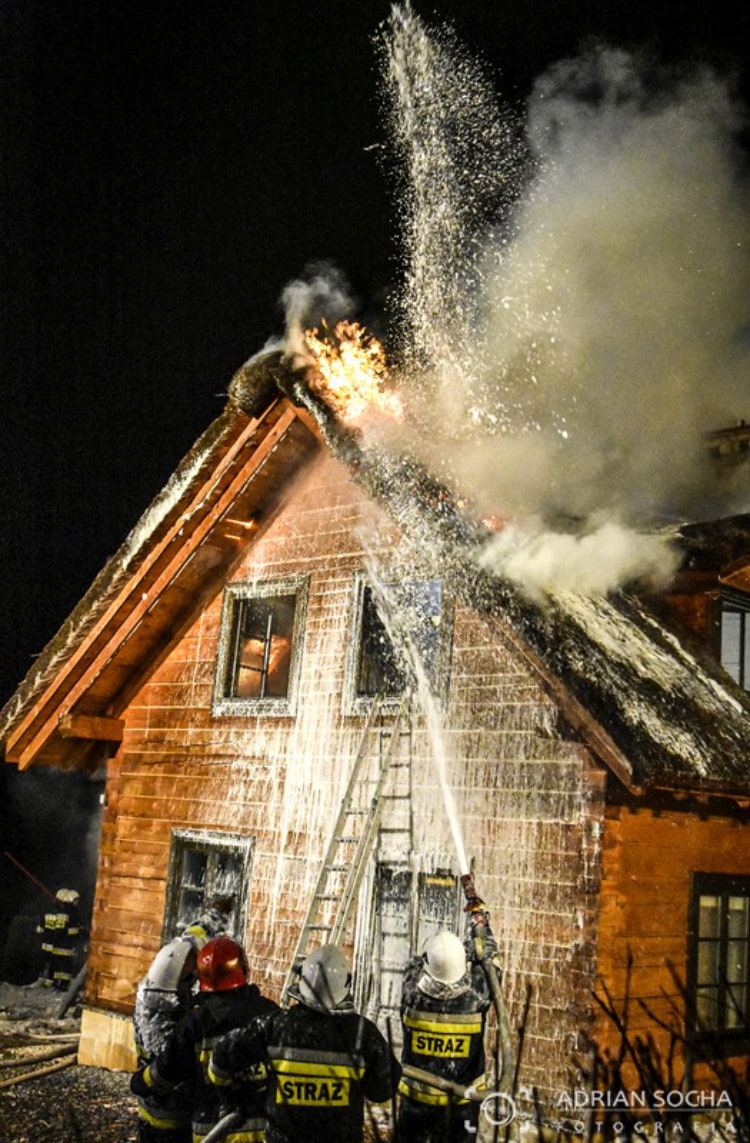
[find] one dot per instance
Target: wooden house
(224, 665)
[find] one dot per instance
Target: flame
(351, 373)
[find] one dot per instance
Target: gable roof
(229, 486)
(650, 708)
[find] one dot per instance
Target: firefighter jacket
(182, 1065)
(321, 1068)
(443, 1030)
(60, 931)
(157, 1014)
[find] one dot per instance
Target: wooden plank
(106, 1041)
(73, 725)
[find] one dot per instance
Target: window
(409, 907)
(415, 618)
(719, 961)
(735, 640)
(259, 648)
(202, 868)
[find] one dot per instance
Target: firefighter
(225, 1000)
(163, 997)
(444, 1001)
(323, 1058)
(61, 931)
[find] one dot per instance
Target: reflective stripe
(249, 1131)
(443, 1018)
(310, 1055)
(218, 1076)
(158, 1121)
(422, 1094)
(319, 1069)
(433, 1022)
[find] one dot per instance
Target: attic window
(735, 640)
(415, 616)
(205, 867)
(259, 648)
(719, 966)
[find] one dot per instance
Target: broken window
(259, 648)
(384, 646)
(205, 868)
(735, 641)
(719, 965)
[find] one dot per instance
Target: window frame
(224, 704)
(213, 842)
(361, 704)
(722, 885)
(736, 602)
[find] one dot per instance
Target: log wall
(647, 860)
(530, 800)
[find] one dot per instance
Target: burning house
(296, 651)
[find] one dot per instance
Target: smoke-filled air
(574, 313)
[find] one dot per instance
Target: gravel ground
(72, 1105)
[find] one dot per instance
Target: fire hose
(479, 922)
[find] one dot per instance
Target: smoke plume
(602, 328)
(320, 296)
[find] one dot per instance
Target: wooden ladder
(352, 839)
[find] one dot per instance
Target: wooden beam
(21, 749)
(73, 725)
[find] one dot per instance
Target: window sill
(247, 708)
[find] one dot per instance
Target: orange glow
(351, 372)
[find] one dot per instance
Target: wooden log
(66, 1063)
(102, 729)
(50, 1054)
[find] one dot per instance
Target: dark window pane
(708, 920)
(379, 670)
(417, 609)
(736, 1006)
(738, 917)
(190, 907)
(708, 1008)
(708, 962)
(194, 868)
(736, 967)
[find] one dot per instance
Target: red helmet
(222, 964)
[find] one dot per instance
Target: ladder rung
(321, 928)
(346, 837)
(327, 896)
(337, 868)
(357, 812)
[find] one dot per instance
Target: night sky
(166, 169)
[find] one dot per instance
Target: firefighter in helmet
(225, 1000)
(61, 932)
(444, 1001)
(323, 1058)
(162, 998)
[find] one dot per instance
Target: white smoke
(608, 316)
(595, 563)
(321, 295)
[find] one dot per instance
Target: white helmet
(324, 980)
(171, 965)
(445, 957)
